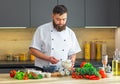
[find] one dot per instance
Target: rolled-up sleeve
(36, 41)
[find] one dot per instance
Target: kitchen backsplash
(117, 38)
(18, 40)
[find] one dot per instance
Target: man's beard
(59, 28)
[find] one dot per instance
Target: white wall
(117, 38)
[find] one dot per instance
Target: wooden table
(5, 79)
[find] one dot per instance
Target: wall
(117, 38)
(18, 40)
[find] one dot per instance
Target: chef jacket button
(62, 49)
(51, 30)
(52, 39)
(52, 48)
(64, 40)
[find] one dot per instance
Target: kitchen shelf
(15, 64)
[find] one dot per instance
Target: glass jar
(9, 57)
(22, 57)
(16, 58)
(32, 57)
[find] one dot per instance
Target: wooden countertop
(4, 78)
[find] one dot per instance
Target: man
(54, 41)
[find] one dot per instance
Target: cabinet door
(102, 12)
(75, 12)
(14, 13)
(41, 11)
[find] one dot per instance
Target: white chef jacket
(53, 43)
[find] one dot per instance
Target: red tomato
(102, 73)
(12, 73)
(82, 64)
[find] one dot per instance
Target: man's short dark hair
(59, 9)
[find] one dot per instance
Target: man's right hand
(53, 60)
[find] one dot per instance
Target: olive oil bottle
(115, 63)
(118, 68)
(114, 67)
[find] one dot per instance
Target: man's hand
(53, 60)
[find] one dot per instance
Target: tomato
(12, 73)
(102, 73)
(82, 64)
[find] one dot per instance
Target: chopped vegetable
(102, 73)
(86, 70)
(82, 64)
(19, 75)
(12, 73)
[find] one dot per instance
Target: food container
(22, 57)
(32, 57)
(16, 58)
(87, 50)
(98, 50)
(67, 64)
(9, 57)
(48, 75)
(109, 75)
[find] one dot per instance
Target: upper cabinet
(41, 11)
(14, 13)
(102, 12)
(81, 13)
(76, 12)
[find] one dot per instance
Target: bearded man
(54, 41)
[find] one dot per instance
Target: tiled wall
(18, 40)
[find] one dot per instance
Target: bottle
(114, 66)
(104, 48)
(87, 50)
(115, 63)
(92, 50)
(98, 50)
(118, 68)
(9, 57)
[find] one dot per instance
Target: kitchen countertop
(4, 78)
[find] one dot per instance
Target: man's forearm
(43, 56)
(39, 54)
